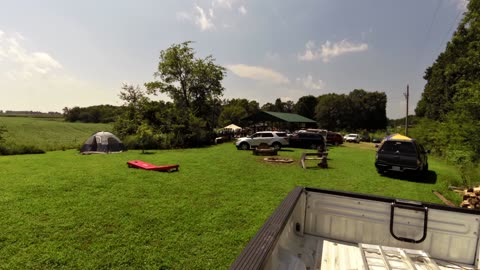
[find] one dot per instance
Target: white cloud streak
(203, 20)
(310, 84)
(209, 17)
(330, 50)
(258, 73)
(224, 3)
(242, 10)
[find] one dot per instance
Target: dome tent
(102, 142)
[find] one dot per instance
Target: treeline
(92, 114)
(450, 103)
(358, 110)
(30, 113)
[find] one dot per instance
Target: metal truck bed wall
(295, 235)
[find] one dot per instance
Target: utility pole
(406, 114)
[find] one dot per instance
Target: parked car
(365, 138)
(311, 140)
(334, 138)
(352, 138)
(274, 139)
(376, 140)
(400, 153)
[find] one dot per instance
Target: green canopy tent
(283, 120)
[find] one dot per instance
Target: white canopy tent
(232, 127)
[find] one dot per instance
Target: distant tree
(289, 106)
(92, 114)
(269, 107)
(305, 106)
(331, 112)
(369, 109)
(279, 105)
(134, 105)
(232, 113)
(357, 110)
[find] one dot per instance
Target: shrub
(20, 150)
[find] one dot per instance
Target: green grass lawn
(48, 133)
(65, 210)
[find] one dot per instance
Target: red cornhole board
(150, 167)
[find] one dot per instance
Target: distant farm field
(69, 211)
(48, 133)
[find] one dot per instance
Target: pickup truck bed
(323, 229)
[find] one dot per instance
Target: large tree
(450, 103)
(305, 106)
(235, 109)
(194, 84)
(455, 69)
(357, 110)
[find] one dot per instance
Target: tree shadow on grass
(148, 153)
(429, 177)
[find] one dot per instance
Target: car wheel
(244, 146)
(336, 143)
(277, 146)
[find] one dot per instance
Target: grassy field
(48, 133)
(65, 210)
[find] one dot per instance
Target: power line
(448, 33)
(427, 35)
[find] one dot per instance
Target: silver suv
(352, 138)
(274, 139)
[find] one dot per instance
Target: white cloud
(330, 50)
(37, 81)
(21, 63)
(224, 3)
(217, 14)
(310, 84)
(203, 20)
(258, 73)
(242, 10)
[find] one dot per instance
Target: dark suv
(310, 140)
(334, 138)
(400, 153)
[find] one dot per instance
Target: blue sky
(56, 54)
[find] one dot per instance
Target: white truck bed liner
(317, 229)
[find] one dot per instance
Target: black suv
(399, 153)
(310, 140)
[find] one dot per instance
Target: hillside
(48, 133)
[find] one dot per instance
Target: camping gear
(102, 143)
(138, 164)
